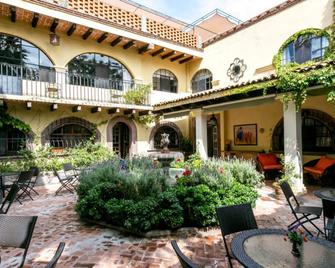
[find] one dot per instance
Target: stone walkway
(93, 246)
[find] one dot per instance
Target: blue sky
(190, 10)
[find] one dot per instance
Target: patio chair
(16, 231)
(36, 173)
(70, 171)
(309, 213)
(53, 262)
(322, 170)
(184, 261)
(269, 164)
(9, 199)
(328, 215)
(331, 236)
(23, 181)
(66, 182)
(235, 219)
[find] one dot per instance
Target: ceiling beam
(34, 21)
(102, 37)
(71, 29)
(127, 112)
(87, 33)
(159, 51)
(29, 105)
(53, 107)
(129, 44)
(186, 60)
(96, 110)
(178, 57)
(146, 48)
(168, 55)
(13, 14)
(54, 25)
(116, 41)
(76, 109)
(142, 113)
(113, 111)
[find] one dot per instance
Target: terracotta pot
(278, 191)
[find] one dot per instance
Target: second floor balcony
(47, 84)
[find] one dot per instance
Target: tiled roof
(252, 21)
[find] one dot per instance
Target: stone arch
(133, 132)
(163, 124)
(45, 135)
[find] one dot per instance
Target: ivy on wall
(8, 120)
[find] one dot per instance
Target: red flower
(187, 173)
(178, 160)
(305, 239)
(221, 170)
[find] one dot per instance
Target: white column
(293, 143)
(201, 133)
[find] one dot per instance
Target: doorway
(121, 139)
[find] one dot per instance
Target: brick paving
(93, 246)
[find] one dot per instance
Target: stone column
(293, 143)
(201, 133)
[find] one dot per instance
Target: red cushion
(273, 167)
(324, 163)
(268, 159)
(313, 170)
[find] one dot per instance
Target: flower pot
(295, 250)
(175, 173)
(278, 191)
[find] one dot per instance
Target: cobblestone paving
(93, 246)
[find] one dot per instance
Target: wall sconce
(54, 39)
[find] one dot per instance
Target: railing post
(60, 87)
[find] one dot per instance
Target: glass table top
(326, 194)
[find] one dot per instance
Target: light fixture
(54, 39)
(212, 121)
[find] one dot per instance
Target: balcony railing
(48, 83)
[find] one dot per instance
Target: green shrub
(238, 194)
(137, 96)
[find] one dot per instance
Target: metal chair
(53, 262)
(33, 181)
(309, 214)
(16, 231)
(9, 199)
(328, 215)
(23, 182)
(184, 261)
(66, 182)
(235, 219)
(331, 236)
(70, 171)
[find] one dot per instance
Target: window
(11, 141)
(202, 80)
(69, 136)
(15, 51)
(173, 137)
(96, 70)
(317, 133)
(305, 48)
(164, 80)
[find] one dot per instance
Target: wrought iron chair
(9, 199)
(309, 213)
(184, 261)
(70, 171)
(331, 236)
(328, 215)
(53, 262)
(16, 231)
(36, 173)
(235, 219)
(66, 182)
(23, 182)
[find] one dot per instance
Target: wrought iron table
(268, 248)
(328, 194)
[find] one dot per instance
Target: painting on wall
(245, 134)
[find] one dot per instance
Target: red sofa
(321, 169)
(269, 164)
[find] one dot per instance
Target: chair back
(184, 261)
(53, 262)
(59, 176)
(68, 167)
(328, 208)
(331, 236)
(16, 231)
(236, 218)
(36, 171)
(289, 195)
(25, 176)
(9, 199)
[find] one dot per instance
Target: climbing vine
(8, 120)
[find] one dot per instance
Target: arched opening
(98, 70)
(318, 132)
(121, 139)
(11, 141)
(213, 136)
(165, 80)
(175, 135)
(202, 80)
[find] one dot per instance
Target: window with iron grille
(11, 141)
(165, 80)
(69, 135)
(202, 80)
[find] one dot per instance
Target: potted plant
(296, 237)
(138, 95)
(177, 168)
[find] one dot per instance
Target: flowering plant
(187, 173)
(296, 235)
(177, 163)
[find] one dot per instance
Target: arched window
(305, 48)
(97, 70)
(21, 58)
(11, 141)
(173, 137)
(164, 80)
(69, 136)
(318, 133)
(202, 80)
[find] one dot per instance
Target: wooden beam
(127, 112)
(72, 29)
(178, 57)
(159, 51)
(96, 110)
(87, 34)
(142, 113)
(116, 41)
(29, 105)
(146, 48)
(54, 25)
(53, 107)
(102, 37)
(34, 22)
(113, 111)
(186, 60)
(13, 14)
(129, 44)
(76, 109)
(168, 55)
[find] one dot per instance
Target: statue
(165, 142)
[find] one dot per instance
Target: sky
(191, 10)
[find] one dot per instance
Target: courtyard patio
(95, 246)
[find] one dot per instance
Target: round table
(268, 248)
(328, 194)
